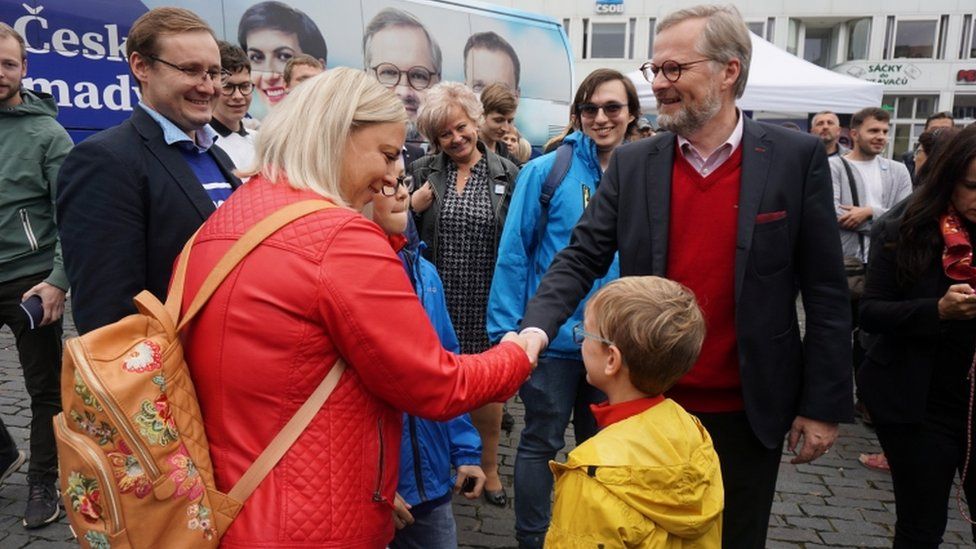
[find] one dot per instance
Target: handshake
(531, 341)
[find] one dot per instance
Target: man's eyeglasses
(589, 110)
(418, 78)
(229, 89)
(579, 334)
(192, 73)
(390, 190)
(671, 69)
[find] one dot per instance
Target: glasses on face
(579, 334)
(404, 180)
(418, 78)
(670, 68)
(192, 73)
(589, 110)
(229, 89)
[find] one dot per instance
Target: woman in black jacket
(919, 305)
(460, 207)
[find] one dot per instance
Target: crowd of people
(640, 286)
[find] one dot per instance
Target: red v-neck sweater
(701, 255)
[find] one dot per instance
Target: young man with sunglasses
(235, 96)
(741, 213)
(129, 197)
(605, 107)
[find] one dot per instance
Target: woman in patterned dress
(460, 211)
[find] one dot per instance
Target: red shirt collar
(607, 414)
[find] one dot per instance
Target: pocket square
(770, 216)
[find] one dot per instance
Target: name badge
(499, 189)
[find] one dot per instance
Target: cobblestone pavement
(835, 502)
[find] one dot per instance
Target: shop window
(908, 113)
(964, 107)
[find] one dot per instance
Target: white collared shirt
(707, 165)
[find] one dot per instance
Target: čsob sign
(606, 7)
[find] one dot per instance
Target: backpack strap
(265, 462)
(854, 199)
(250, 240)
(560, 167)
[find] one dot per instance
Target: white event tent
(782, 82)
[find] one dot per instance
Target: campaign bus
(76, 50)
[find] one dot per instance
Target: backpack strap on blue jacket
(560, 167)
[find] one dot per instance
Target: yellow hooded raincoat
(651, 480)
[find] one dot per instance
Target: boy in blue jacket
(428, 449)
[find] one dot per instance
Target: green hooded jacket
(32, 147)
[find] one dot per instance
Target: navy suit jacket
(787, 241)
(127, 203)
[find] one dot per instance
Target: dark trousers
(749, 471)
(924, 460)
(40, 358)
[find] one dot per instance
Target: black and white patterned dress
(466, 254)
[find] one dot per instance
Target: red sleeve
(379, 326)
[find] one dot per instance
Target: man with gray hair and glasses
(400, 52)
(741, 213)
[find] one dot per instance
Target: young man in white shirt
(233, 101)
(879, 182)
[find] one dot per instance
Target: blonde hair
(303, 140)
(656, 324)
(524, 150)
(725, 36)
(434, 113)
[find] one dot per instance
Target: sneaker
(11, 464)
(43, 505)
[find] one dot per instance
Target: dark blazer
(787, 241)
(127, 202)
(903, 320)
(501, 174)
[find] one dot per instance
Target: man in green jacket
(32, 147)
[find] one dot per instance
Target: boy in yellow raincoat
(650, 477)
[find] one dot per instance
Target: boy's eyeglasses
(390, 190)
(589, 110)
(579, 334)
(229, 89)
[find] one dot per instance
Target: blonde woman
(329, 285)
(461, 209)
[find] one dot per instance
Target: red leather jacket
(326, 285)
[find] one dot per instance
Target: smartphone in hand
(33, 307)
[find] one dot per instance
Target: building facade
(923, 52)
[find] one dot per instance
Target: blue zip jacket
(517, 275)
(428, 448)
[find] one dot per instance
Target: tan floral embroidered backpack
(135, 465)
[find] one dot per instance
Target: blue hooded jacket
(428, 448)
(517, 274)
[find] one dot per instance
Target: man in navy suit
(742, 214)
(129, 197)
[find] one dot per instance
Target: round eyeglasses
(418, 78)
(670, 68)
